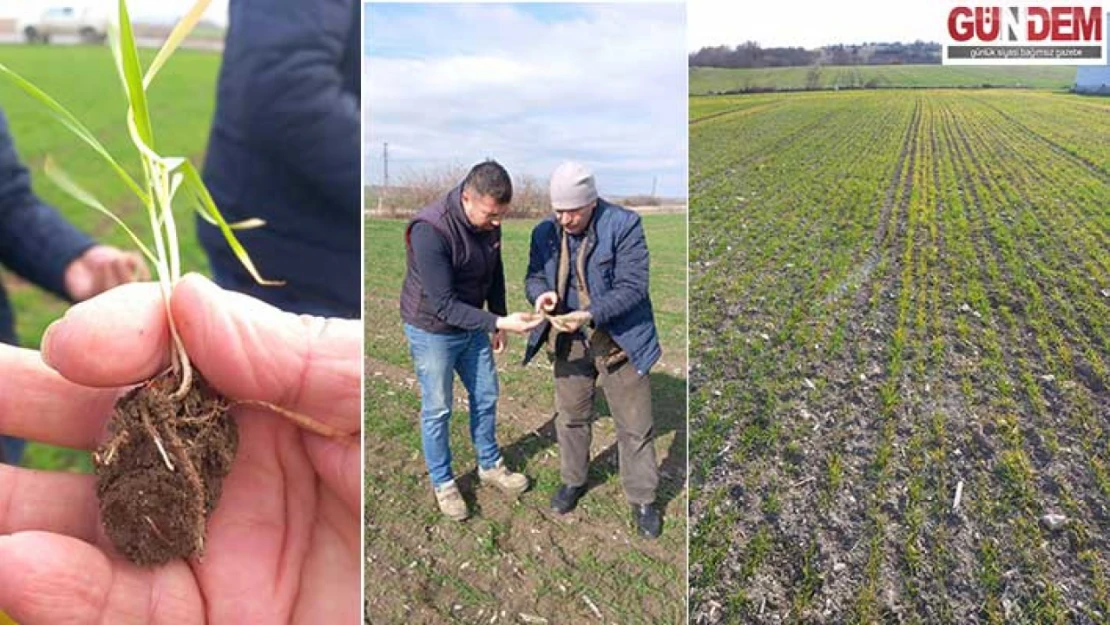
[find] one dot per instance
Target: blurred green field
(83, 79)
(705, 80)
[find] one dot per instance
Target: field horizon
(710, 80)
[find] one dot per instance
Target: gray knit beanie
(572, 186)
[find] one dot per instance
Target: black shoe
(567, 498)
(648, 520)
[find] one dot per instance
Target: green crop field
(900, 329)
(84, 80)
(518, 562)
(705, 80)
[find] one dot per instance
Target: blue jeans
(436, 358)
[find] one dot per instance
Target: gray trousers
(629, 398)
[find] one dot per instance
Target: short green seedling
(164, 178)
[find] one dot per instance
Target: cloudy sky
(529, 85)
(814, 23)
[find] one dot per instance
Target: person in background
(40, 246)
(588, 267)
(284, 147)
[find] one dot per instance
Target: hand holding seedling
(100, 268)
(520, 323)
(155, 512)
(283, 545)
(571, 321)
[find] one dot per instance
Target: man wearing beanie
(454, 273)
(588, 271)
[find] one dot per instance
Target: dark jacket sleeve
(630, 274)
(35, 241)
(432, 256)
(292, 53)
(496, 297)
(535, 281)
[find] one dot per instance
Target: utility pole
(654, 180)
(385, 176)
(385, 165)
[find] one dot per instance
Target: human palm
(282, 546)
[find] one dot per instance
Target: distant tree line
(750, 54)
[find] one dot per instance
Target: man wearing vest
(454, 269)
(588, 272)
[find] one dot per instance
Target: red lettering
(1062, 26)
(1065, 24)
(1040, 24)
(961, 26)
(1089, 28)
(987, 23)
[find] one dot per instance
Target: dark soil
(153, 513)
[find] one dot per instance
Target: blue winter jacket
(617, 277)
(35, 241)
(284, 146)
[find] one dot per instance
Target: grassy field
(705, 80)
(900, 322)
(516, 562)
(84, 80)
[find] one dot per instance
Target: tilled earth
(899, 375)
(514, 561)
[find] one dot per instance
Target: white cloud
(458, 83)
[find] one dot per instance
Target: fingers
(117, 338)
(127, 267)
(522, 323)
(121, 270)
(245, 348)
(546, 302)
(338, 463)
(263, 524)
(62, 503)
(250, 350)
(138, 270)
(48, 578)
(38, 404)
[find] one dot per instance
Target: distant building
(1093, 79)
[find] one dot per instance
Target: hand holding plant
(570, 322)
(170, 442)
(519, 322)
(283, 546)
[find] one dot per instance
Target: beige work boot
(451, 502)
(504, 479)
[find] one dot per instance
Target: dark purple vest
(474, 256)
